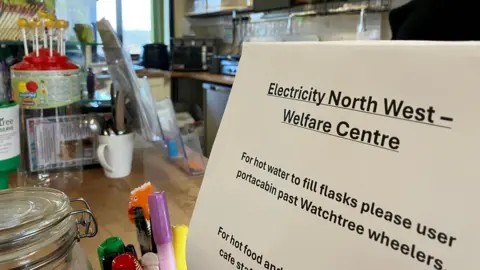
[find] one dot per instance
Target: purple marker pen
(162, 230)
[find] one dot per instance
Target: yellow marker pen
(180, 246)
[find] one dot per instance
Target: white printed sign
(9, 132)
(345, 156)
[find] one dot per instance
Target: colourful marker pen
(108, 250)
(142, 230)
(179, 245)
(162, 230)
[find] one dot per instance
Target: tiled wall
(274, 27)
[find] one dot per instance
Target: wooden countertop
(202, 76)
(108, 198)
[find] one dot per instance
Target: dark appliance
(193, 54)
(225, 64)
(266, 5)
(156, 56)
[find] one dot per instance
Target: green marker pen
(9, 140)
(111, 246)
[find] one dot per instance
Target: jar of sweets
(39, 229)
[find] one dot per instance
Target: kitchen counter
(108, 198)
(202, 76)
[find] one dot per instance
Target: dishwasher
(215, 101)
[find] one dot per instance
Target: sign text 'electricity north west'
(389, 108)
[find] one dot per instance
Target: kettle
(156, 56)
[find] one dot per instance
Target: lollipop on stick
(23, 24)
(50, 24)
(62, 25)
(59, 45)
(42, 15)
(52, 17)
(64, 43)
(36, 24)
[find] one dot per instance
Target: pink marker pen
(162, 230)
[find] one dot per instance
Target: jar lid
(25, 211)
(34, 223)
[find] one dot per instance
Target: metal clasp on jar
(87, 218)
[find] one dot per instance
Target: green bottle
(9, 141)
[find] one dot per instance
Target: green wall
(157, 21)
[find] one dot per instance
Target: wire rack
(332, 7)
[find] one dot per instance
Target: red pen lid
(125, 262)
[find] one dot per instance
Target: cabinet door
(160, 88)
(217, 5)
(196, 6)
(216, 98)
(236, 4)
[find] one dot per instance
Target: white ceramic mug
(115, 154)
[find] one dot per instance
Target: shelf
(219, 13)
(323, 8)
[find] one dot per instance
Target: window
(132, 19)
(137, 24)
(107, 9)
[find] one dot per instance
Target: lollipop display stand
(46, 86)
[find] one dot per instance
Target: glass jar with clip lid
(39, 229)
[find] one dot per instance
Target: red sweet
(32, 87)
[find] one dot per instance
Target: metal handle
(83, 221)
(89, 232)
(219, 89)
(55, 255)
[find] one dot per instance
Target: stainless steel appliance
(215, 101)
(226, 65)
(193, 54)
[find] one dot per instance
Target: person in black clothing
(436, 20)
